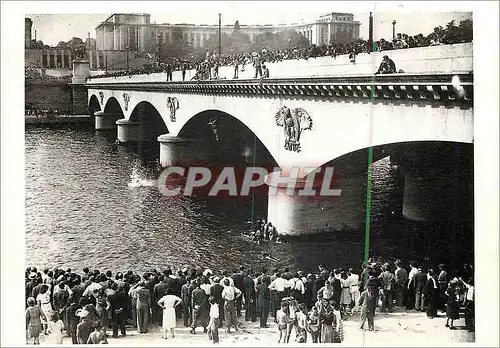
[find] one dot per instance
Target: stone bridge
(311, 122)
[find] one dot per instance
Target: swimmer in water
(268, 256)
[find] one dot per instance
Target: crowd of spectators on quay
(31, 72)
(207, 67)
(33, 111)
(313, 305)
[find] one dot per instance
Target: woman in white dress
(168, 303)
(43, 300)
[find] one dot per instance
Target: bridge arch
(113, 107)
(94, 104)
(228, 133)
(151, 121)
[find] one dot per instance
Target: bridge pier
(176, 150)
(426, 198)
(294, 215)
(105, 120)
(438, 180)
(129, 131)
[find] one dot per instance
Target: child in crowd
(56, 327)
(301, 324)
(282, 318)
(313, 324)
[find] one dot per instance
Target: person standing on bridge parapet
(386, 67)
(169, 72)
(256, 65)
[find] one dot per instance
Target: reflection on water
(90, 202)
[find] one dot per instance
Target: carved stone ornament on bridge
(173, 104)
(126, 99)
(293, 121)
(101, 97)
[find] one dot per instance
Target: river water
(90, 202)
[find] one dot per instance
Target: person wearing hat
(84, 328)
(31, 283)
(387, 66)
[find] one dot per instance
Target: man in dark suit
(249, 293)
(216, 293)
(263, 300)
(118, 301)
(238, 283)
(337, 286)
(77, 290)
(200, 309)
(401, 278)
(387, 280)
(186, 302)
(443, 280)
(159, 291)
(420, 286)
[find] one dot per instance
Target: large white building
(136, 32)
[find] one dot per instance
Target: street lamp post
(127, 58)
(106, 62)
(159, 48)
(220, 45)
(370, 33)
(393, 30)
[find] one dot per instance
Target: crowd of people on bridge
(313, 305)
(208, 67)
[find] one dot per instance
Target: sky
(52, 28)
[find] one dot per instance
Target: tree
(341, 37)
(213, 42)
(178, 47)
(466, 30)
(240, 42)
(290, 38)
